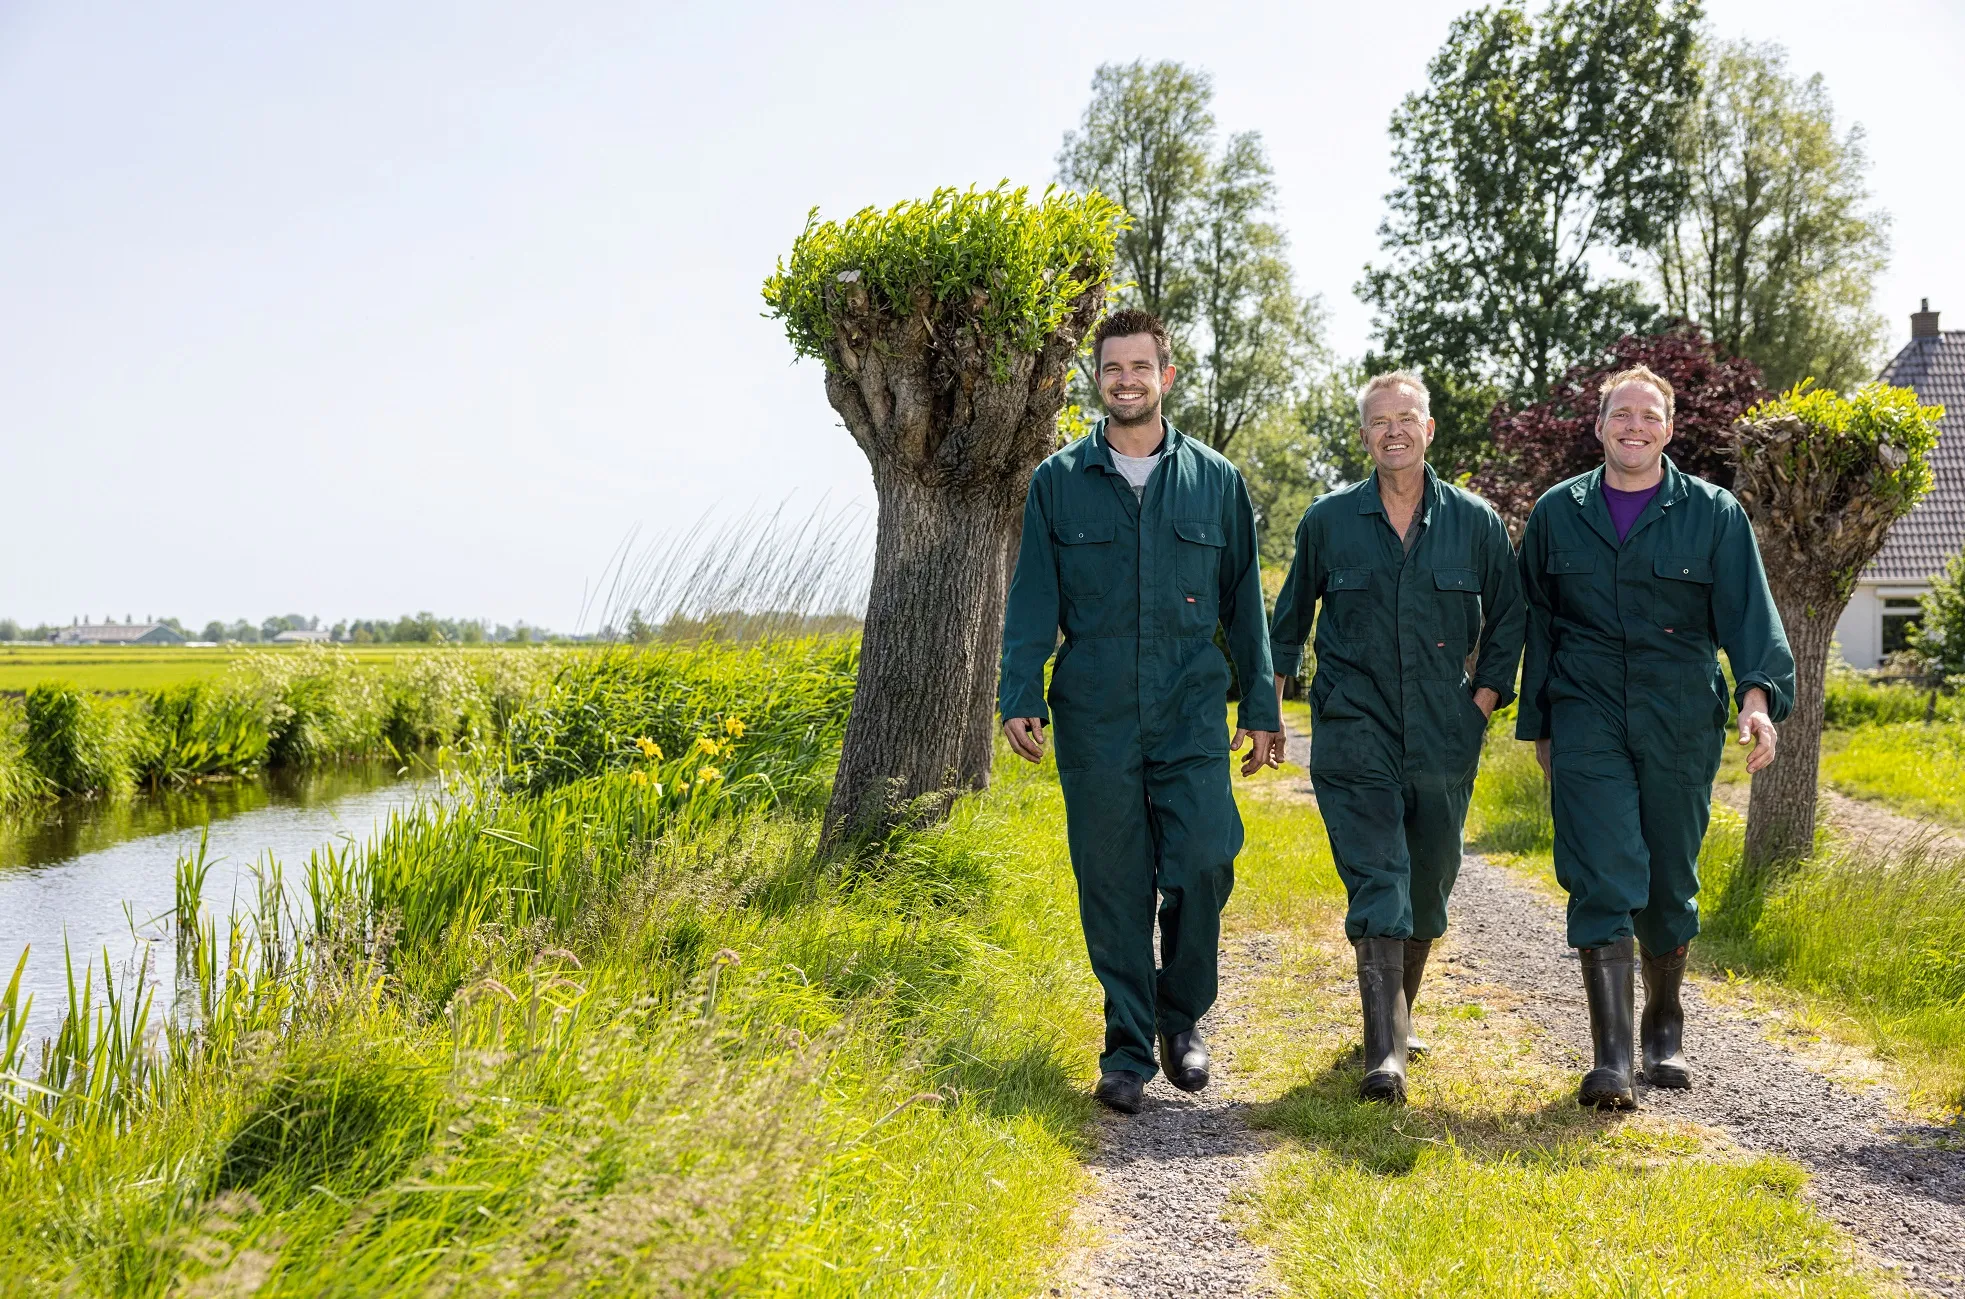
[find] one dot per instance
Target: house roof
(1922, 541)
(113, 633)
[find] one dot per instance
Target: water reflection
(100, 874)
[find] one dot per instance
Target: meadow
(600, 1018)
(118, 668)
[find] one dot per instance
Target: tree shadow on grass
(1325, 1113)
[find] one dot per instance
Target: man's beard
(1150, 417)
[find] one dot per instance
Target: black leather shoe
(1608, 978)
(1663, 1024)
(1184, 1059)
(1381, 987)
(1122, 1090)
(1417, 949)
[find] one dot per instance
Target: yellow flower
(705, 745)
(637, 778)
(706, 774)
(734, 727)
(649, 749)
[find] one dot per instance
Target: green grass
(1916, 769)
(597, 1038)
(118, 668)
(1493, 1182)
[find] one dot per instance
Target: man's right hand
(1026, 736)
(1542, 756)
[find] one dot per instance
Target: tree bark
(934, 630)
(1781, 811)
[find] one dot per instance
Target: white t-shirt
(1136, 469)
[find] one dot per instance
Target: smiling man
(1137, 543)
(1636, 574)
(1417, 581)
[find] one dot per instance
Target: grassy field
(143, 667)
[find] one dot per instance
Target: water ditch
(101, 874)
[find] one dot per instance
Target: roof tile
(1922, 541)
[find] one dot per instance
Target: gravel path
(1892, 1184)
(1863, 821)
(1164, 1176)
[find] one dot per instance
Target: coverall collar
(1588, 493)
(1100, 451)
(1370, 502)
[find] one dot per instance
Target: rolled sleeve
(1243, 618)
(1031, 616)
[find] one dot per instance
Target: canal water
(103, 873)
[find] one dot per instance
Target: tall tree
(1778, 249)
(1538, 150)
(947, 328)
(1202, 253)
(1823, 477)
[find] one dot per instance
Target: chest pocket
(1347, 602)
(1457, 608)
(1088, 559)
(1197, 562)
(1682, 593)
(1572, 569)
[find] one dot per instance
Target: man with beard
(1417, 580)
(1137, 543)
(1636, 574)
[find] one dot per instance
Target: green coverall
(1622, 677)
(1395, 733)
(1139, 696)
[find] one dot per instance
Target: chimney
(1924, 324)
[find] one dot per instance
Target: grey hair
(1395, 379)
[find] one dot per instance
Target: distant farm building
(118, 633)
(299, 636)
(1884, 608)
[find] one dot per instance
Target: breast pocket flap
(1202, 532)
(1456, 579)
(1572, 561)
(1079, 534)
(1348, 579)
(1684, 568)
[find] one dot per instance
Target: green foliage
(21, 783)
(1852, 700)
(1536, 147)
(1940, 636)
(79, 742)
(1915, 767)
(1018, 265)
(1777, 252)
(199, 729)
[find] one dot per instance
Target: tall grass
(1851, 699)
(22, 785)
(1915, 768)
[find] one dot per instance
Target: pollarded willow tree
(1823, 477)
(947, 327)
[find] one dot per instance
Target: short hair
(1636, 374)
(1126, 323)
(1395, 379)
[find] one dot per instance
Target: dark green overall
(1622, 677)
(1395, 734)
(1139, 695)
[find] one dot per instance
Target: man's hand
(1542, 756)
(1757, 729)
(1265, 751)
(1487, 699)
(1026, 736)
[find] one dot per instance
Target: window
(1901, 616)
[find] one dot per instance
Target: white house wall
(1860, 629)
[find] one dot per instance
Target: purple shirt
(1626, 506)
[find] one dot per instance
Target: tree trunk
(934, 632)
(1781, 812)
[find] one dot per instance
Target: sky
(358, 309)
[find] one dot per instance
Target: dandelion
(649, 749)
(705, 745)
(734, 727)
(708, 774)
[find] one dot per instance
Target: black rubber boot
(1417, 950)
(1121, 1090)
(1381, 987)
(1609, 978)
(1663, 1025)
(1184, 1059)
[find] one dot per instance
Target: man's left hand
(1757, 729)
(1266, 749)
(1487, 699)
